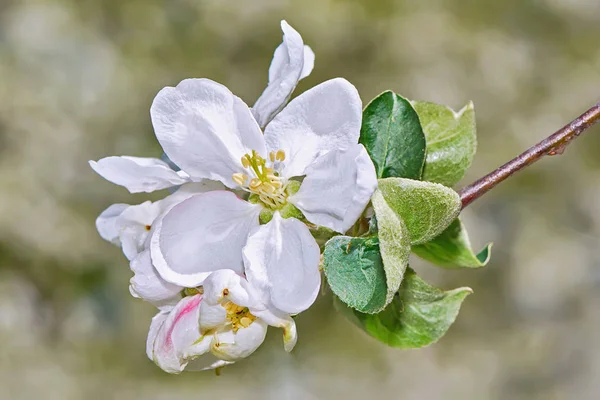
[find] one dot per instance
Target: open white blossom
(308, 164)
(223, 323)
(130, 226)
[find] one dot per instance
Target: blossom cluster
(232, 249)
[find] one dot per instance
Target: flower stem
(552, 145)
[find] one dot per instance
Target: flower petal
(227, 285)
(309, 62)
(202, 234)
(285, 71)
(106, 223)
(282, 263)
(148, 285)
(135, 223)
(157, 322)
(179, 339)
(212, 317)
(337, 188)
(230, 346)
(138, 174)
(326, 117)
(205, 129)
(283, 321)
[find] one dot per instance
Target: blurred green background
(76, 81)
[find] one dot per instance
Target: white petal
(106, 223)
(337, 188)
(284, 73)
(138, 174)
(179, 339)
(202, 234)
(135, 224)
(148, 285)
(186, 191)
(282, 262)
(157, 321)
(227, 285)
(212, 317)
(326, 117)
(230, 346)
(283, 321)
(309, 62)
(205, 129)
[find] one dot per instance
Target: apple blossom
(222, 323)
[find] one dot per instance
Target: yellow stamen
(240, 178)
(263, 180)
(245, 161)
(280, 156)
(238, 316)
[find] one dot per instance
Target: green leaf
(394, 243)
(355, 273)
(452, 249)
(451, 141)
(392, 134)
(419, 315)
(425, 208)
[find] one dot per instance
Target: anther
(245, 161)
(272, 156)
(240, 178)
(280, 156)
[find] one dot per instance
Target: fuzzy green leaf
(392, 134)
(451, 141)
(394, 243)
(354, 271)
(425, 208)
(419, 315)
(452, 249)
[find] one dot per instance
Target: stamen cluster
(239, 317)
(266, 183)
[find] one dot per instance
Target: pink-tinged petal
(282, 263)
(157, 322)
(205, 129)
(148, 285)
(326, 117)
(106, 223)
(179, 339)
(285, 71)
(202, 234)
(233, 346)
(138, 174)
(337, 188)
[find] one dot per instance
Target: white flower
(307, 158)
(215, 328)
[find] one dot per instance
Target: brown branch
(552, 145)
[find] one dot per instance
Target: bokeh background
(77, 78)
